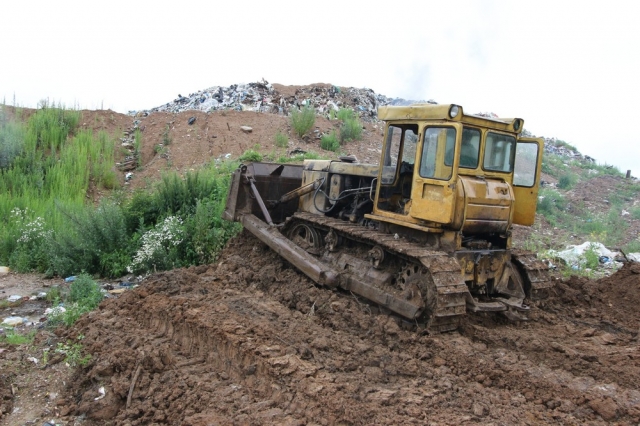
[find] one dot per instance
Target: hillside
(575, 186)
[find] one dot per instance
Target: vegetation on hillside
(47, 225)
(574, 217)
(48, 165)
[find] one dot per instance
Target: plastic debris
(102, 393)
(4, 270)
(13, 321)
(634, 257)
(55, 311)
(574, 256)
(70, 279)
(14, 298)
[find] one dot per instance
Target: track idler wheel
(306, 237)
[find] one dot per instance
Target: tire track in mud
(248, 340)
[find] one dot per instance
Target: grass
(84, 296)
(330, 142)
(302, 120)
(12, 337)
(73, 353)
(345, 114)
(281, 140)
(250, 155)
(351, 130)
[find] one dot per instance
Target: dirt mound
(613, 300)
(249, 340)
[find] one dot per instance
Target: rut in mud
(249, 340)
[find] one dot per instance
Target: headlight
(453, 111)
(517, 124)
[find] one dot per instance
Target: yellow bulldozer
(426, 234)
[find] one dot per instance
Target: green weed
(303, 120)
(250, 155)
(12, 337)
(566, 181)
(281, 140)
(166, 136)
(84, 296)
(345, 114)
(73, 353)
(351, 129)
(330, 142)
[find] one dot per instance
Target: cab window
(399, 137)
(469, 148)
(524, 173)
(438, 152)
(499, 152)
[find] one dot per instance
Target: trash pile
(590, 255)
(264, 97)
(551, 146)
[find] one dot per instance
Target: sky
(570, 69)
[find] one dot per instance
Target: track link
(446, 292)
(536, 272)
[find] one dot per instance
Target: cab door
(526, 179)
(433, 193)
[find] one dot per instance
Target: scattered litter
(634, 257)
(246, 129)
(102, 393)
(13, 321)
(55, 311)
(33, 360)
(70, 279)
(191, 120)
(575, 256)
(14, 298)
(128, 176)
(4, 270)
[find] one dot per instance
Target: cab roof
(447, 112)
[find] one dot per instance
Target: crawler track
(442, 292)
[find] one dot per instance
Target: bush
(345, 114)
(159, 247)
(351, 130)
(250, 156)
(94, 240)
(566, 181)
(84, 296)
(11, 143)
(330, 142)
(85, 291)
(30, 251)
(281, 140)
(303, 120)
(206, 232)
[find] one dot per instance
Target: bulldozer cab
(454, 171)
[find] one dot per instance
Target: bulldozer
(426, 234)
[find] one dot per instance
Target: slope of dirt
(250, 341)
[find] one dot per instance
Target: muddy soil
(248, 340)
